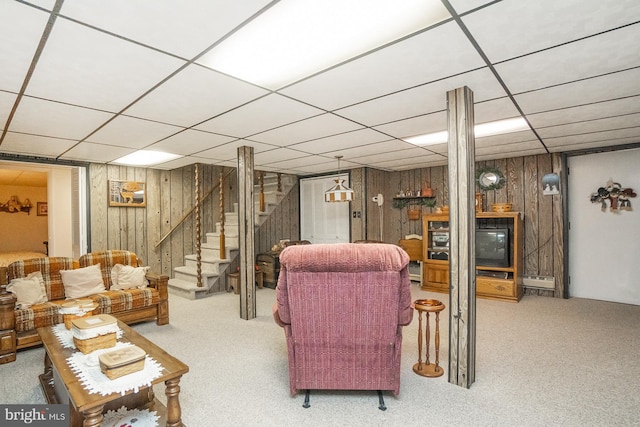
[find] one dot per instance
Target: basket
(501, 207)
(414, 213)
(76, 309)
(91, 333)
(91, 344)
(69, 318)
(121, 362)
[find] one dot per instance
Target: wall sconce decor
(617, 196)
(14, 205)
(550, 184)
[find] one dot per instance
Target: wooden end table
(61, 385)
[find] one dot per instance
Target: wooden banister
(191, 211)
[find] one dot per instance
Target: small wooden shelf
(404, 201)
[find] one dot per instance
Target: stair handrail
(202, 199)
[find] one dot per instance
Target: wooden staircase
(213, 268)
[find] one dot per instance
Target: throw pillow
(128, 276)
(82, 282)
(27, 291)
(38, 275)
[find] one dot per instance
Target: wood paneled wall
(543, 250)
(170, 195)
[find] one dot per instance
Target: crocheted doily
(124, 417)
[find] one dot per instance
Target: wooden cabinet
(502, 280)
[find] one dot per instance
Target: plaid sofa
(130, 305)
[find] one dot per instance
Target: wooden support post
(462, 279)
(223, 246)
(246, 221)
(198, 228)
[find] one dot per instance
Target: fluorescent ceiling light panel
(146, 158)
(484, 129)
(294, 39)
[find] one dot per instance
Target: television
(492, 247)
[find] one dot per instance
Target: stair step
(189, 290)
(212, 265)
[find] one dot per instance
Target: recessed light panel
(294, 39)
(146, 158)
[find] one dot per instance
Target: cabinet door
(437, 276)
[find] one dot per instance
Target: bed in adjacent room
(7, 258)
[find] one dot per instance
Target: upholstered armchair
(342, 307)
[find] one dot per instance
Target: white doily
(65, 336)
(87, 369)
(124, 417)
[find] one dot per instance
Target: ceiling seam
(34, 61)
(484, 57)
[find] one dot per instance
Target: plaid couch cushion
(107, 259)
(49, 267)
(121, 300)
(38, 315)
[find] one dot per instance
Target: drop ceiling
(104, 79)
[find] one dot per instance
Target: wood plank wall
(170, 195)
(542, 214)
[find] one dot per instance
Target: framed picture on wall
(127, 193)
(42, 209)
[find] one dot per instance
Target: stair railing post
(261, 179)
(198, 228)
(279, 188)
(223, 249)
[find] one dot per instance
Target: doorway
(322, 222)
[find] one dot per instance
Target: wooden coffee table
(61, 385)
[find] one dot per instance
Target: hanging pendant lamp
(339, 192)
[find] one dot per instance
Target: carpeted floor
(541, 362)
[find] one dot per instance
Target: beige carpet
(541, 362)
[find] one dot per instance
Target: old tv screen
(492, 247)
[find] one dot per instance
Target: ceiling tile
(498, 149)
(126, 131)
(33, 145)
(495, 109)
(568, 147)
(192, 96)
(597, 125)
(6, 104)
(508, 29)
(599, 137)
(412, 62)
(509, 154)
(306, 130)
(277, 154)
(20, 34)
(229, 151)
(462, 6)
(342, 141)
(97, 153)
(424, 99)
(429, 123)
(260, 115)
(184, 31)
(507, 138)
(85, 67)
(54, 119)
(597, 89)
(612, 108)
(414, 162)
(181, 162)
(190, 142)
(612, 51)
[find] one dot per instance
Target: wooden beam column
(462, 222)
(246, 222)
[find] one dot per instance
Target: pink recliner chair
(342, 307)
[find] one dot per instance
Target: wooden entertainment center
(492, 282)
